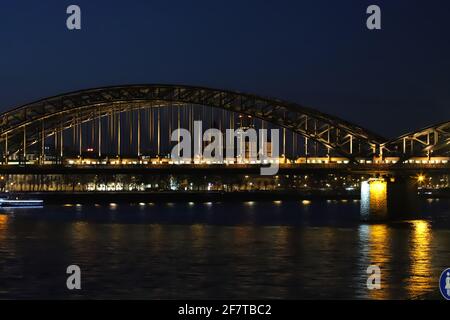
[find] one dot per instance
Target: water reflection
(79, 230)
(154, 235)
(420, 255)
(379, 254)
(223, 251)
(375, 250)
(198, 235)
(3, 226)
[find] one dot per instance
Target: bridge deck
(394, 169)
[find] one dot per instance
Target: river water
(231, 250)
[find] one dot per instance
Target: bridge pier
(389, 197)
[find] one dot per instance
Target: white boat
(21, 203)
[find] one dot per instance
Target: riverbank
(210, 196)
(62, 197)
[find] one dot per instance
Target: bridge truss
(428, 142)
(33, 123)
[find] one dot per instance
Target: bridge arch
(433, 140)
(25, 125)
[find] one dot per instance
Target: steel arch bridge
(24, 126)
(429, 141)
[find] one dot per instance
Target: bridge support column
(389, 197)
(403, 199)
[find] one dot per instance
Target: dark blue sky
(317, 53)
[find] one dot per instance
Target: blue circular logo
(444, 284)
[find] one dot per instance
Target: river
(222, 250)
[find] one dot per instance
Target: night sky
(316, 53)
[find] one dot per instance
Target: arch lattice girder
(51, 125)
(59, 111)
(430, 141)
